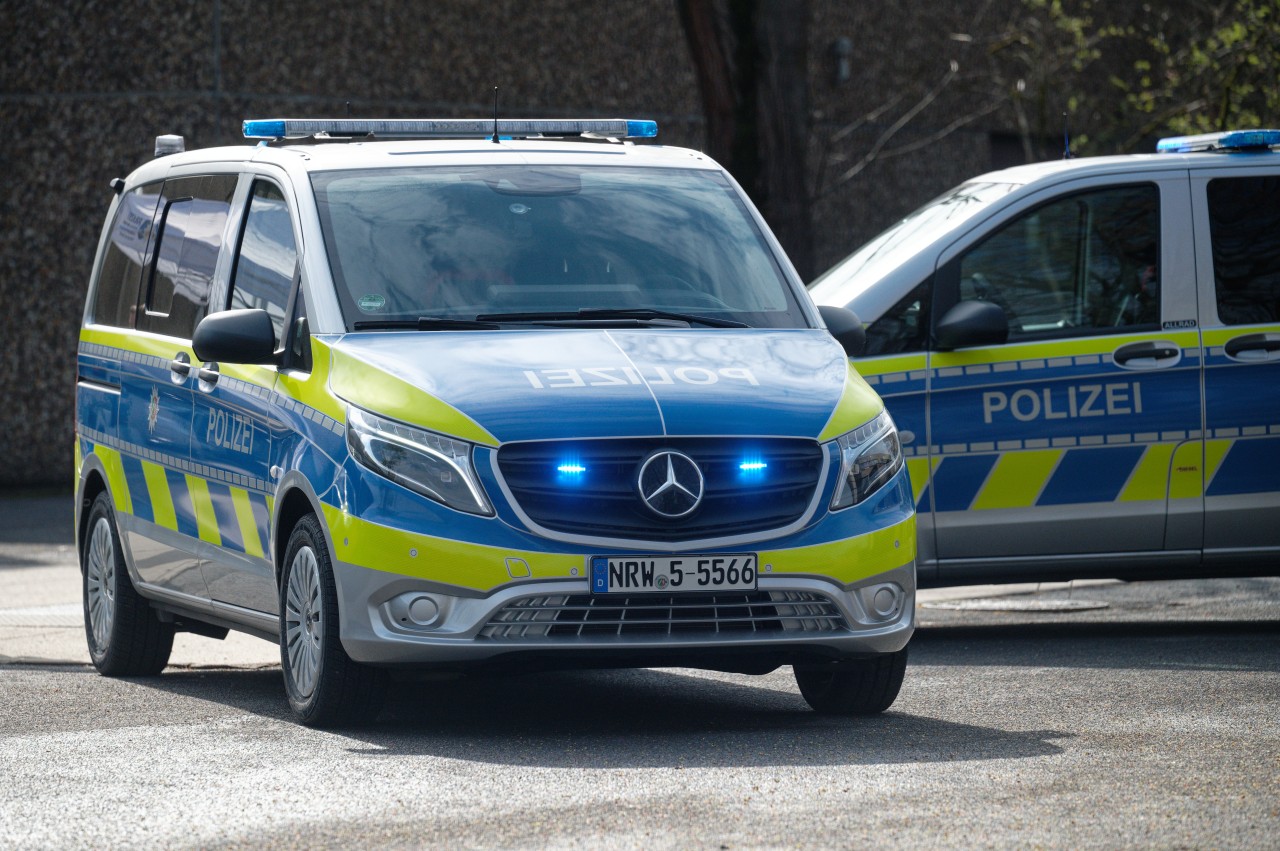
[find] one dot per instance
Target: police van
(445, 395)
(1083, 359)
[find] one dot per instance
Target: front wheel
(125, 637)
(326, 688)
(860, 687)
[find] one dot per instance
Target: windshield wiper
(424, 323)
(606, 313)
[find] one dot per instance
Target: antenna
(1066, 137)
(495, 115)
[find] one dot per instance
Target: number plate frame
(674, 574)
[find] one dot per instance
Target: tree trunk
(751, 58)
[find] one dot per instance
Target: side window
(1244, 225)
(193, 217)
(116, 298)
(1084, 263)
(903, 327)
(268, 257)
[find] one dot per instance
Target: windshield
(467, 241)
(852, 275)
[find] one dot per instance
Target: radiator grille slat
(735, 613)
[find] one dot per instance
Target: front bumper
(394, 620)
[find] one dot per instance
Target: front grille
(658, 615)
(602, 500)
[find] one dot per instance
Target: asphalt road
(1152, 722)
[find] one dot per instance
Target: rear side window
(192, 220)
(1083, 263)
(116, 297)
(1244, 224)
(268, 257)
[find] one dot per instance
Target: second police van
(1083, 358)
(446, 394)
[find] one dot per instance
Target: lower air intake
(659, 615)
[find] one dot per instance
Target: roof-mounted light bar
(1232, 140)
(447, 128)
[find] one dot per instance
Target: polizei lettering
(229, 430)
(1062, 403)
(615, 376)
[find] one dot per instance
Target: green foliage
(1190, 66)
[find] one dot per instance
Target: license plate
(667, 574)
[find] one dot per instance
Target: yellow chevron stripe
(202, 504)
(1214, 452)
(1017, 479)
(112, 463)
(1150, 478)
(1185, 479)
(920, 470)
(161, 498)
(248, 525)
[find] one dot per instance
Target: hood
(499, 386)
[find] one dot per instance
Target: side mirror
(236, 336)
(972, 323)
(846, 327)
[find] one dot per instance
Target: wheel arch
(295, 499)
(93, 481)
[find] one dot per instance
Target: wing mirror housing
(972, 323)
(236, 336)
(846, 327)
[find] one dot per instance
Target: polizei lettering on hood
(616, 376)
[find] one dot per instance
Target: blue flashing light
(642, 129)
(752, 466)
(272, 128)
(571, 469)
(449, 128)
(1232, 140)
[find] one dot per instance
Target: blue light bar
(1232, 140)
(571, 469)
(448, 128)
(752, 466)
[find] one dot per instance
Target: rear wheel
(325, 686)
(860, 687)
(125, 637)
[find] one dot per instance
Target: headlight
(435, 466)
(870, 455)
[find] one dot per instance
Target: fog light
(423, 611)
(414, 610)
(884, 601)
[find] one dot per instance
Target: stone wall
(87, 86)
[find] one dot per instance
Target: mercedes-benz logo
(670, 484)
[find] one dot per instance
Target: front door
(1065, 441)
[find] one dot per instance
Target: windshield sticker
(371, 303)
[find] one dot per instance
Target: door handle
(180, 367)
(207, 375)
(1253, 346)
(1147, 354)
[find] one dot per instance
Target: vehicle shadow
(1236, 645)
(624, 719)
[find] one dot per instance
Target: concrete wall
(87, 86)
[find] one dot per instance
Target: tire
(125, 637)
(326, 688)
(861, 687)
